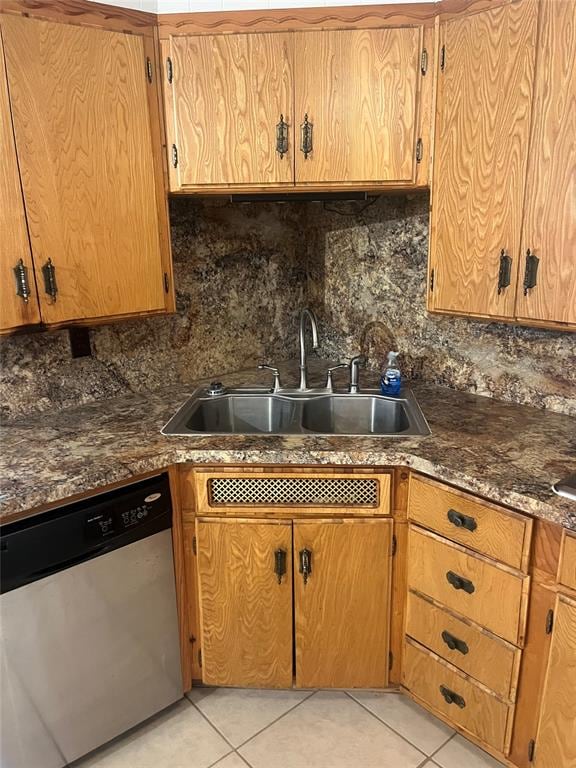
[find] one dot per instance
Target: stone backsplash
(242, 272)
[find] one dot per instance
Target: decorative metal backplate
(281, 137)
(306, 137)
(294, 491)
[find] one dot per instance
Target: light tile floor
(236, 728)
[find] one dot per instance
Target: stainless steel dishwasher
(89, 643)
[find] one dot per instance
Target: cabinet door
(228, 95)
(245, 608)
(550, 212)
(358, 89)
(342, 607)
(15, 309)
(556, 741)
(482, 132)
(83, 136)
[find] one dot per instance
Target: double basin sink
(258, 411)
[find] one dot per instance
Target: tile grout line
(433, 755)
(275, 721)
(383, 722)
(232, 747)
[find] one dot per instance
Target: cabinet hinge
(432, 281)
(443, 58)
(149, 69)
(390, 660)
(549, 621)
(194, 546)
(200, 657)
(166, 282)
(419, 150)
(169, 70)
(424, 62)
(531, 748)
(174, 155)
(394, 544)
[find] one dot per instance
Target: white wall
(181, 6)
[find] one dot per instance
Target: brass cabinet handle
(305, 564)
(454, 643)
(462, 521)
(531, 271)
(280, 563)
(452, 698)
(459, 582)
(306, 137)
(49, 275)
(505, 271)
(281, 137)
(22, 286)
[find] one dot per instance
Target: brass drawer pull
(462, 521)
(280, 563)
(454, 643)
(459, 582)
(305, 564)
(452, 698)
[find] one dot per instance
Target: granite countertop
(507, 453)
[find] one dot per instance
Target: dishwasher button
(99, 526)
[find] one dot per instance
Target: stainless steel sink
(256, 411)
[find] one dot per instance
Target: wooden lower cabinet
(342, 606)
(341, 609)
(556, 740)
(245, 608)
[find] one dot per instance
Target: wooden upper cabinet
(556, 740)
(482, 132)
(84, 140)
(549, 231)
(226, 99)
(18, 298)
(342, 607)
(358, 89)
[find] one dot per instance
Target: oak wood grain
(499, 600)
(549, 228)
(398, 607)
(14, 245)
(342, 612)
(246, 615)
(483, 715)
(84, 13)
(482, 132)
(359, 89)
(567, 564)
(556, 740)
(193, 638)
(488, 659)
(84, 143)
(532, 674)
(229, 92)
(499, 533)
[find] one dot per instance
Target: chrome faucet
(355, 364)
(306, 313)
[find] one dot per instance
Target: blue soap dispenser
(391, 379)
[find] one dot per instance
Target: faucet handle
(329, 372)
(276, 386)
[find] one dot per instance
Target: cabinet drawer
(481, 526)
(479, 654)
(285, 492)
(567, 564)
(474, 709)
(489, 594)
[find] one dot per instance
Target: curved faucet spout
(306, 314)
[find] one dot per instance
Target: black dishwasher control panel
(44, 544)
